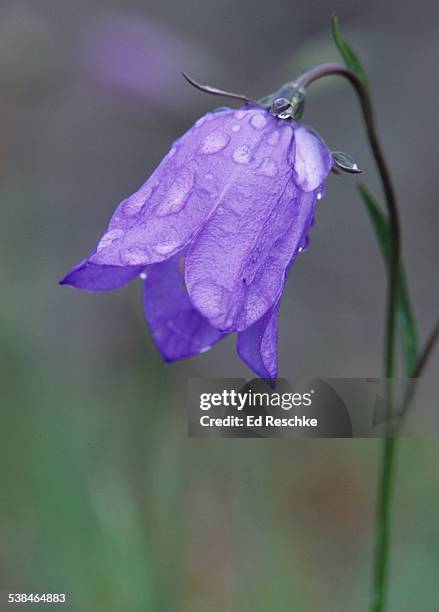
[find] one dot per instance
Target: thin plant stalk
(387, 473)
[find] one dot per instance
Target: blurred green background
(102, 495)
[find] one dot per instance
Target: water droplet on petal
(164, 248)
(109, 238)
(176, 197)
(214, 142)
(207, 296)
(304, 246)
(273, 139)
(133, 256)
(134, 204)
(240, 114)
(236, 128)
(268, 167)
(258, 121)
(143, 275)
(246, 190)
(200, 121)
(241, 155)
(172, 152)
(320, 192)
(212, 191)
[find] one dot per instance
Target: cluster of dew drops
(216, 141)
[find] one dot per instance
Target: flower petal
(257, 345)
(178, 329)
(313, 160)
(194, 178)
(236, 266)
(93, 277)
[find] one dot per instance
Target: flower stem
(387, 472)
(382, 541)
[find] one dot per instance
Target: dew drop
(200, 121)
(212, 191)
(109, 238)
(236, 128)
(134, 204)
(172, 152)
(268, 167)
(240, 114)
(241, 155)
(258, 121)
(175, 198)
(208, 296)
(320, 192)
(214, 142)
(133, 256)
(246, 190)
(164, 248)
(143, 275)
(304, 246)
(273, 139)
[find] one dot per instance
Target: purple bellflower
(214, 231)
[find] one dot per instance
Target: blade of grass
(349, 56)
(418, 371)
(406, 319)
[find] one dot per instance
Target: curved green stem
(303, 81)
(381, 557)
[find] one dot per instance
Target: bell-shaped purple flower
(215, 230)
